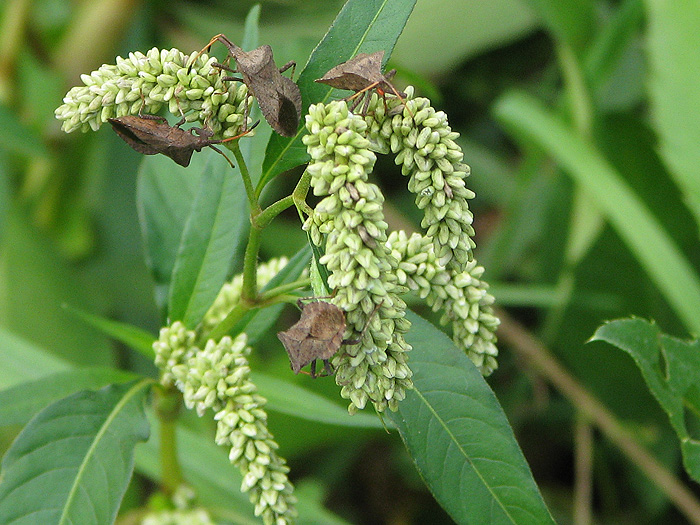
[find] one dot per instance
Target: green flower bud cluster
(362, 271)
(218, 378)
(144, 83)
(183, 514)
(425, 148)
(174, 346)
(230, 293)
(463, 297)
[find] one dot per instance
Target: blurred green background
(69, 230)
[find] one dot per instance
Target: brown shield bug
(279, 97)
(151, 134)
(362, 74)
(317, 335)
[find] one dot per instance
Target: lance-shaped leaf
(459, 437)
(73, 461)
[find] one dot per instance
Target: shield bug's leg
(224, 67)
(362, 334)
(289, 64)
(206, 48)
(182, 116)
(146, 115)
(356, 101)
(327, 368)
(207, 133)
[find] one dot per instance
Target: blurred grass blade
(607, 49)
(21, 402)
(130, 335)
(571, 21)
(665, 264)
(460, 439)
(674, 85)
(361, 26)
(73, 461)
(22, 360)
(294, 400)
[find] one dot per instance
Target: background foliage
(580, 120)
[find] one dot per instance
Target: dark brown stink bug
(317, 335)
(279, 97)
(151, 134)
(362, 74)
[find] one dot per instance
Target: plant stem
(583, 471)
(225, 326)
(273, 210)
(270, 296)
(250, 191)
(249, 290)
(259, 219)
(167, 403)
(298, 198)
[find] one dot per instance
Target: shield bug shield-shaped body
(317, 335)
(279, 97)
(151, 134)
(362, 74)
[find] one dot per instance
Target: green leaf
(211, 234)
(21, 402)
(671, 369)
(253, 148)
(674, 83)
(164, 197)
(17, 138)
(571, 21)
(460, 439)
(263, 320)
(22, 361)
(362, 26)
(608, 48)
(293, 400)
(73, 461)
(665, 264)
(130, 335)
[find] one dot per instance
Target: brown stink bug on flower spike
(317, 335)
(151, 134)
(279, 97)
(362, 74)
